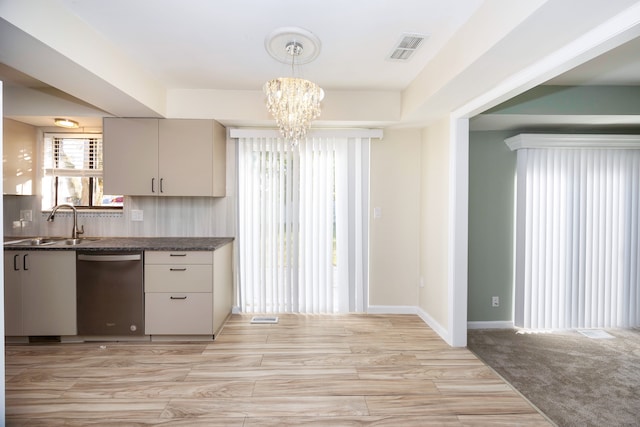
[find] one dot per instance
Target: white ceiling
(617, 67)
(209, 45)
(219, 44)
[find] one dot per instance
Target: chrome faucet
(75, 231)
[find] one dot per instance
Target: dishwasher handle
(103, 258)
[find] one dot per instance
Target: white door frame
(613, 33)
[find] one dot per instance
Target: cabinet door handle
(178, 269)
(161, 182)
(153, 185)
(15, 262)
(172, 297)
(24, 262)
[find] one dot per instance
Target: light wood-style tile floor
(318, 370)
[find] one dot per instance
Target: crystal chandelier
(292, 101)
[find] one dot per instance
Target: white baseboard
(410, 309)
(433, 324)
(494, 324)
(391, 309)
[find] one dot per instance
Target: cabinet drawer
(178, 313)
(178, 278)
(178, 257)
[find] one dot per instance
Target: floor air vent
(259, 319)
(596, 334)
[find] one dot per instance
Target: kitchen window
(73, 172)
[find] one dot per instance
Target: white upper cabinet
(130, 151)
(157, 157)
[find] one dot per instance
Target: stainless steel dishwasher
(110, 293)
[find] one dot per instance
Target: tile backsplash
(16, 210)
(161, 217)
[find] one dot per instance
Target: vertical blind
(301, 226)
(577, 238)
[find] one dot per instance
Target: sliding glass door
(578, 231)
(302, 224)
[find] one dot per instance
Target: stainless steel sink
(36, 241)
(77, 241)
(47, 241)
(73, 242)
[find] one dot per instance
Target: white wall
(410, 244)
(434, 259)
(18, 154)
(394, 269)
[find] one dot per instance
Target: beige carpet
(575, 380)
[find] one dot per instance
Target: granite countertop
(123, 244)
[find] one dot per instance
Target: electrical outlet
(495, 301)
(26, 215)
(137, 215)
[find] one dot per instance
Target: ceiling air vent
(407, 45)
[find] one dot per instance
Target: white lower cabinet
(186, 293)
(222, 285)
(178, 293)
(40, 293)
(177, 313)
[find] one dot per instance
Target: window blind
(578, 238)
(73, 156)
(302, 224)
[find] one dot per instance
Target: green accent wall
(492, 169)
(573, 100)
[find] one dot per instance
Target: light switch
(377, 212)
